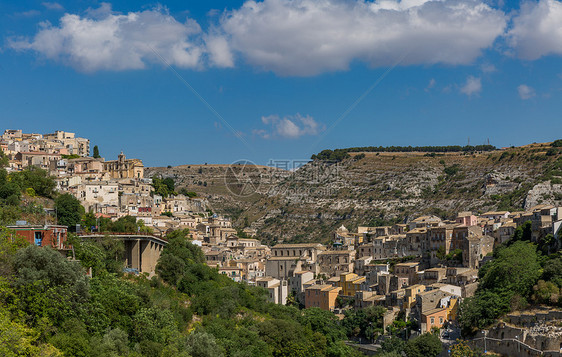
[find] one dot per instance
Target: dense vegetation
(522, 273)
(49, 307)
(340, 154)
(424, 345)
(125, 224)
(21, 193)
(164, 187)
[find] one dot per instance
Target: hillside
(375, 188)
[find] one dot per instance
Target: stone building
(124, 168)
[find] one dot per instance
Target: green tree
(115, 342)
(96, 152)
(288, 338)
(10, 242)
(10, 192)
(522, 233)
(393, 344)
(505, 282)
(514, 269)
(184, 191)
(48, 285)
(17, 339)
(202, 344)
(545, 292)
(69, 210)
(553, 271)
(548, 244)
(9, 213)
(324, 322)
(4, 161)
(114, 303)
(126, 224)
(73, 339)
(462, 349)
(365, 322)
(103, 256)
(163, 187)
(482, 310)
(170, 184)
(154, 324)
(35, 178)
(424, 345)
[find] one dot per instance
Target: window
(38, 239)
(432, 320)
(441, 319)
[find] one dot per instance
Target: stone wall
(510, 348)
(539, 340)
(532, 319)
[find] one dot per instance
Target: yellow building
(322, 296)
(350, 283)
(124, 168)
(452, 309)
(410, 295)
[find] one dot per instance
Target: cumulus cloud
(289, 127)
(219, 51)
(53, 6)
(525, 92)
(537, 29)
(473, 86)
(288, 37)
(103, 40)
(308, 37)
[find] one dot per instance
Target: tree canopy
(164, 187)
(340, 154)
(69, 210)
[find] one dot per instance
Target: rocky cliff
(373, 188)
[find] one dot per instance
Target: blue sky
(280, 79)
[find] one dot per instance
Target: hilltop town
(420, 270)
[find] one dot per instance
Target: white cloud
(308, 37)
(430, 85)
(537, 29)
(103, 40)
(525, 92)
(288, 37)
(219, 51)
(289, 127)
(53, 6)
(473, 86)
(488, 68)
(29, 13)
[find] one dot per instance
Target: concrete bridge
(141, 251)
